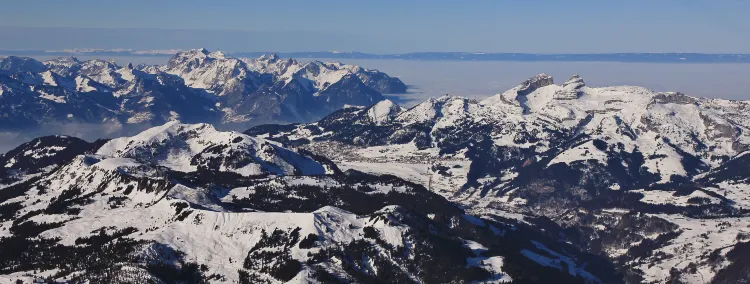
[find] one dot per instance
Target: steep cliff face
(534, 83)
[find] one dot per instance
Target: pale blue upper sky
(383, 26)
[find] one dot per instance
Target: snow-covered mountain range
(654, 182)
(194, 86)
(543, 183)
(185, 203)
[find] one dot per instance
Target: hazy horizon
(382, 27)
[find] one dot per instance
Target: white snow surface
(384, 111)
(668, 197)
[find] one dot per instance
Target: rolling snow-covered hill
(185, 203)
(194, 86)
(655, 182)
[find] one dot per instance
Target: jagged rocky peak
(674, 98)
(64, 66)
(191, 53)
(517, 95)
(533, 83)
(195, 56)
(200, 52)
(217, 54)
(63, 61)
(571, 89)
(574, 82)
(98, 70)
(195, 51)
(273, 57)
(206, 70)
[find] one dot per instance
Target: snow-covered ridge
(189, 147)
(212, 70)
(540, 115)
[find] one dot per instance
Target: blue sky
(384, 26)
